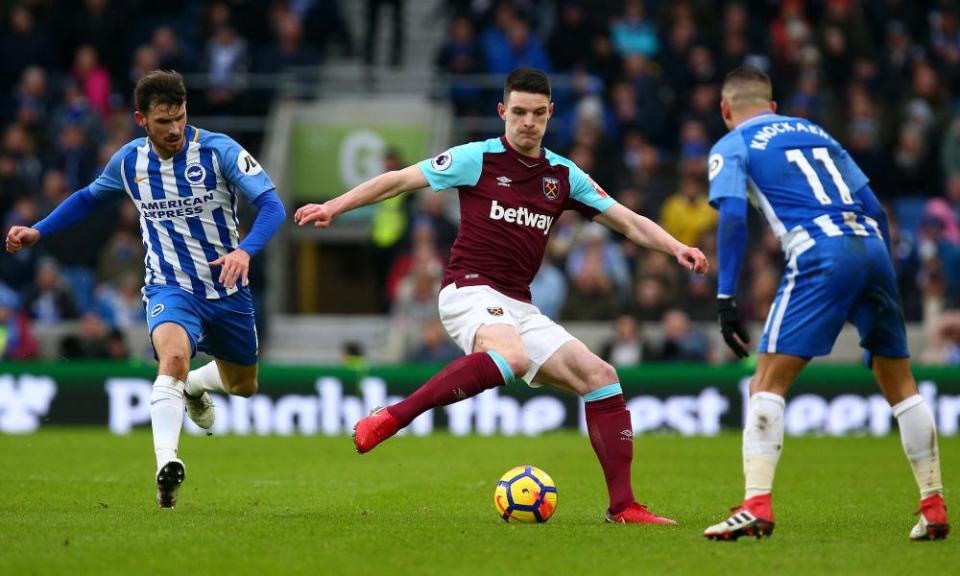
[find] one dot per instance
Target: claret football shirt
(508, 204)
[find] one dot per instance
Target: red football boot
(637, 514)
(753, 518)
(933, 523)
(374, 429)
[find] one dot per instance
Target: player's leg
(173, 348)
(918, 434)
(879, 321)
(807, 314)
(222, 376)
(497, 355)
(230, 326)
(199, 404)
(762, 446)
(174, 329)
(480, 321)
(574, 368)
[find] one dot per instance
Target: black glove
(731, 325)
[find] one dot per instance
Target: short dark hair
(747, 83)
(159, 87)
(530, 80)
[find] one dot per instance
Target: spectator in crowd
(353, 356)
(687, 214)
(626, 346)
(145, 59)
(121, 258)
(31, 104)
(120, 303)
(13, 187)
(289, 49)
(651, 299)
(373, 25)
(950, 150)
(570, 41)
(594, 242)
(48, 300)
(18, 144)
(97, 23)
(435, 346)
(548, 291)
(592, 294)
(226, 61)
(633, 33)
(432, 212)
(116, 345)
(75, 156)
(18, 270)
(461, 54)
(22, 44)
(415, 303)
(522, 49)
(17, 341)
(681, 341)
(943, 348)
(93, 79)
(171, 52)
(90, 343)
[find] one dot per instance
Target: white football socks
(166, 416)
(206, 377)
(762, 442)
(918, 433)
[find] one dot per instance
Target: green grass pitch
(80, 501)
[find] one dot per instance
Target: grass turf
(80, 501)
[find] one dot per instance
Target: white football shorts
(464, 310)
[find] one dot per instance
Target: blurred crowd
(636, 88)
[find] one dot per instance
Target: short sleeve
(851, 173)
(584, 190)
(239, 167)
(727, 169)
(458, 166)
(109, 184)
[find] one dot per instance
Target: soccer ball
(525, 494)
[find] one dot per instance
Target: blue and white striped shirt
(187, 205)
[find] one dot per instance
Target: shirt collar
(527, 161)
(757, 118)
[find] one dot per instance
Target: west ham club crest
(551, 187)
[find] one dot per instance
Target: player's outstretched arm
(72, 210)
(648, 234)
(384, 186)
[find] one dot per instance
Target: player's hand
(320, 214)
(692, 259)
(734, 333)
(236, 266)
(20, 237)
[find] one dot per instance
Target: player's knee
(175, 363)
(600, 375)
(518, 361)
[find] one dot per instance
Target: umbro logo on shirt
(503, 181)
